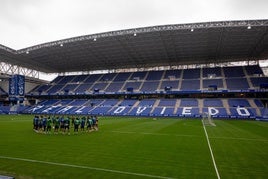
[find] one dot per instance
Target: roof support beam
(10, 69)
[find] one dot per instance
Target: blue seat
(120, 110)
(163, 111)
(122, 76)
(209, 82)
(257, 81)
(110, 102)
(138, 75)
(140, 111)
(82, 110)
(258, 103)
(101, 110)
(100, 86)
(147, 102)
(233, 72)
(55, 89)
(79, 78)
(188, 112)
(149, 86)
(4, 109)
(107, 77)
(191, 73)
(114, 87)
(253, 70)
(237, 83)
(127, 102)
(189, 102)
(93, 78)
(134, 85)
(167, 102)
(154, 75)
(213, 103)
(174, 73)
(69, 87)
(57, 79)
(81, 89)
(66, 79)
(42, 88)
(216, 112)
(238, 102)
(243, 112)
(212, 71)
(190, 85)
(78, 102)
(174, 84)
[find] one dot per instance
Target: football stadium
(169, 101)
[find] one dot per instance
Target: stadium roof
(168, 45)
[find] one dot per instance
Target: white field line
(211, 152)
(85, 167)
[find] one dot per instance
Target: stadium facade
(181, 70)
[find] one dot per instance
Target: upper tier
(221, 78)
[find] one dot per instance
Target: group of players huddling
(62, 124)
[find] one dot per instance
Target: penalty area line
(211, 152)
(84, 167)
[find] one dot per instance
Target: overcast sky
(25, 23)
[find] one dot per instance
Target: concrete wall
(4, 85)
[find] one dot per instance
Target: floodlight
(192, 30)
(134, 34)
(249, 27)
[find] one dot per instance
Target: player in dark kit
(40, 123)
(49, 124)
(89, 124)
(44, 123)
(35, 122)
(57, 125)
(73, 118)
(76, 124)
(67, 125)
(83, 122)
(62, 124)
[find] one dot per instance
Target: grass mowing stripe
(148, 133)
(211, 152)
(238, 138)
(85, 167)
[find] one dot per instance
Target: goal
(207, 119)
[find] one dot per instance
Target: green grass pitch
(126, 147)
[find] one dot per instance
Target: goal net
(207, 119)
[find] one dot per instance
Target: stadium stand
(179, 78)
(239, 108)
(210, 82)
(234, 78)
(190, 85)
(212, 72)
(237, 83)
(224, 78)
(172, 74)
(191, 74)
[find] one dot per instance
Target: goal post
(207, 119)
